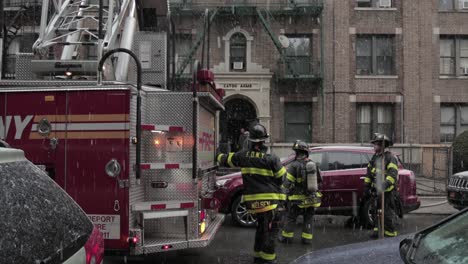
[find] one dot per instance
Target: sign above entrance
(239, 86)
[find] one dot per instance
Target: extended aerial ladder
(68, 27)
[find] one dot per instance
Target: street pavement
(233, 244)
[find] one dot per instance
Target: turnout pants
(294, 212)
(389, 214)
(265, 235)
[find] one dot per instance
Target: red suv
(343, 169)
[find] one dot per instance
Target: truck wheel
(366, 213)
(240, 215)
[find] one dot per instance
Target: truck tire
(240, 215)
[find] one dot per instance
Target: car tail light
(94, 247)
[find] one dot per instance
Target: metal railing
(298, 67)
(269, 4)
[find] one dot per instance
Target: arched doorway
(239, 113)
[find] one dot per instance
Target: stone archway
(239, 113)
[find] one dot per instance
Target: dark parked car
(444, 242)
(457, 190)
(41, 223)
(343, 169)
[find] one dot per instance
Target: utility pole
(382, 193)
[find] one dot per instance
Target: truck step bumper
(154, 245)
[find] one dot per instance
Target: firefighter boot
(375, 233)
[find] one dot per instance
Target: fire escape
(310, 69)
(21, 18)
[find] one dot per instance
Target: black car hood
(370, 252)
(38, 220)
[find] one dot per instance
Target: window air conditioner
(385, 3)
(465, 71)
(238, 65)
(465, 4)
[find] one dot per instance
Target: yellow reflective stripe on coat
(220, 156)
(392, 165)
(367, 180)
(257, 254)
(281, 172)
(390, 188)
(229, 160)
(287, 234)
(373, 170)
(264, 209)
(258, 171)
(290, 177)
(297, 197)
(307, 236)
(390, 179)
(267, 256)
(263, 196)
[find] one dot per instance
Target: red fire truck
(84, 136)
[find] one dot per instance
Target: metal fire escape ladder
(275, 40)
(73, 19)
(191, 53)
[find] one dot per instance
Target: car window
(37, 216)
(445, 244)
(346, 160)
(317, 158)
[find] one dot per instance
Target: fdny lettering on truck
(20, 123)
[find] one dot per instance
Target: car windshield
(39, 223)
(446, 244)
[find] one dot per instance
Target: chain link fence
(432, 165)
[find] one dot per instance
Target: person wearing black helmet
(304, 196)
(262, 175)
(374, 184)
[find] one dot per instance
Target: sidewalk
(430, 187)
(434, 205)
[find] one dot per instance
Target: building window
(375, 55)
(374, 3)
(238, 52)
(298, 55)
(182, 49)
(374, 118)
(453, 56)
(298, 123)
(445, 5)
(451, 5)
(453, 121)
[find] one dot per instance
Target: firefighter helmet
(378, 137)
(258, 133)
(301, 146)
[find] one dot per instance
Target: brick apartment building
(393, 66)
(324, 71)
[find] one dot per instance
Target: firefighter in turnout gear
(302, 182)
(262, 175)
(374, 185)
